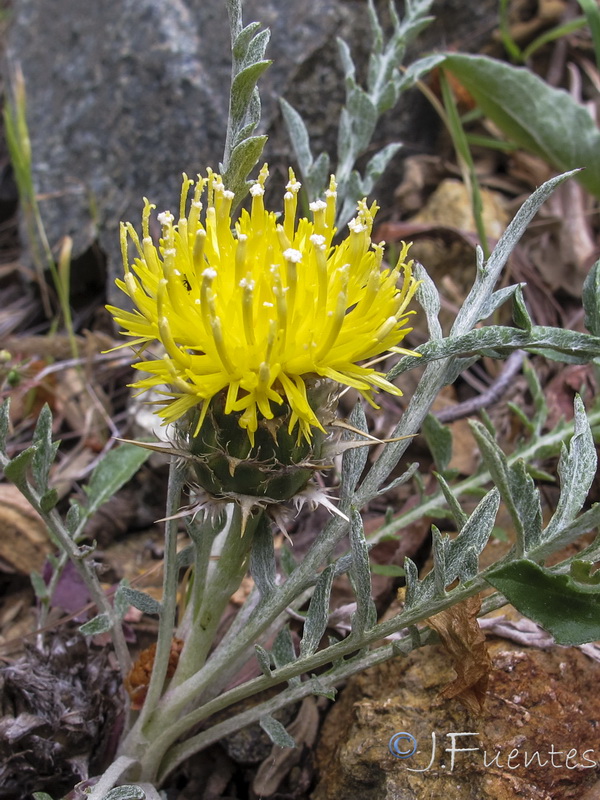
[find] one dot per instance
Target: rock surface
(123, 98)
(537, 700)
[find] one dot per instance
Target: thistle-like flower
(261, 322)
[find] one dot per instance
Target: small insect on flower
(262, 321)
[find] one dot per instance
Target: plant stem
(234, 12)
(169, 602)
(229, 564)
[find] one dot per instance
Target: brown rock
(538, 736)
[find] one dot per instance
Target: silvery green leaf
(287, 560)
(276, 732)
(242, 41)
(526, 499)
(539, 399)
(283, 648)
(40, 587)
(125, 596)
(298, 136)
(317, 176)
(413, 587)
(417, 70)
(244, 158)
(376, 29)
(346, 59)
(377, 165)
(488, 274)
(283, 652)
(99, 624)
(401, 479)
(262, 560)
(353, 460)
(318, 613)
(343, 565)
(74, 515)
(48, 500)
(344, 139)
(458, 514)
(498, 298)
(42, 796)
(366, 613)
(117, 467)
(363, 115)
(584, 523)
(428, 298)
(439, 441)
(591, 300)
(243, 86)
(129, 792)
(520, 313)
(45, 451)
(257, 47)
(498, 341)
(577, 470)
(462, 552)
(321, 690)
(4, 423)
(496, 463)
(439, 550)
(17, 467)
(264, 660)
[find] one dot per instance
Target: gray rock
(125, 96)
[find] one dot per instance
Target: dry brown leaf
(24, 543)
(464, 641)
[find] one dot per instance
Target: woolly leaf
(276, 732)
(117, 467)
(366, 614)
(264, 660)
(439, 441)
(45, 449)
(100, 624)
(262, 560)
(125, 596)
(318, 613)
(591, 300)
(16, 469)
(577, 470)
(354, 459)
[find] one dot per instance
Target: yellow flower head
(257, 308)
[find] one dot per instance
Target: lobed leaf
(354, 459)
(318, 613)
(365, 615)
(577, 470)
